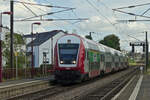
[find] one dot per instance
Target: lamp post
(32, 63)
(147, 49)
(90, 34)
(8, 13)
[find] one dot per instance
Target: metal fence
(22, 73)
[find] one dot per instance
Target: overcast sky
(102, 19)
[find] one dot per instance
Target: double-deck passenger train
(77, 59)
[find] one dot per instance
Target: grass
(132, 64)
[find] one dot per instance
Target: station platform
(13, 88)
(144, 88)
(28, 80)
(138, 88)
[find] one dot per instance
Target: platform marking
(136, 89)
(19, 84)
(118, 94)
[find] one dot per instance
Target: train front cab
(70, 55)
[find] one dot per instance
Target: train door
(108, 62)
(115, 62)
(94, 63)
(112, 63)
(102, 63)
(86, 62)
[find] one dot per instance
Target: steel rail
(116, 89)
(107, 91)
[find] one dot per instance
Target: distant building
(4, 31)
(42, 46)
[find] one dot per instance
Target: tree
(111, 41)
(19, 42)
(88, 37)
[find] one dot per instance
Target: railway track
(109, 90)
(54, 91)
(47, 92)
(44, 93)
(35, 95)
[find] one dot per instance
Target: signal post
(145, 49)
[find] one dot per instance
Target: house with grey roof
(43, 46)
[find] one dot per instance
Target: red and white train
(77, 58)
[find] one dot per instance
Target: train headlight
(61, 62)
(74, 62)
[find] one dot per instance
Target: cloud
(96, 24)
(131, 32)
(103, 28)
(102, 23)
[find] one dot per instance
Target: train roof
(101, 48)
(104, 48)
(90, 44)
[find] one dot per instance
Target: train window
(68, 53)
(113, 59)
(102, 57)
(108, 64)
(95, 57)
(87, 55)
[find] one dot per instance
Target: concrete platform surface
(138, 88)
(144, 92)
(14, 82)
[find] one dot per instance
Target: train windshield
(68, 53)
